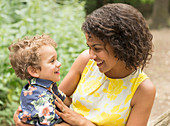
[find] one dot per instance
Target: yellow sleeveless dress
(105, 101)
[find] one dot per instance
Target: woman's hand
(70, 116)
(17, 120)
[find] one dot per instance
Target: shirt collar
(41, 82)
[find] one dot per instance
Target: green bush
(60, 19)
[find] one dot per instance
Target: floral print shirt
(38, 102)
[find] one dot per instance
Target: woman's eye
(96, 49)
(93, 48)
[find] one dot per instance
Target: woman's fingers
(69, 115)
(17, 120)
(62, 107)
(19, 109)
(60, 104)
(15, 117)
(59, 100)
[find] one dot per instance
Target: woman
(106, 82)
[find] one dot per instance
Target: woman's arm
(70, 82)
(141, 103)
(67, 101)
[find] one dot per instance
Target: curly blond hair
(125, 29)
(25, 53)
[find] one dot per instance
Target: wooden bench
(163, 120)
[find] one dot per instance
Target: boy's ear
(33, 71)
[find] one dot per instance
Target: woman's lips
(99, 63)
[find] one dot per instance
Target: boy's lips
(57, 73)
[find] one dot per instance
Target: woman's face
(104, 56)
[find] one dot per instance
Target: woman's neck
(119, 71)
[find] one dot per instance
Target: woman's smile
(99, 63)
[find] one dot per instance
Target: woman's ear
(33, 71)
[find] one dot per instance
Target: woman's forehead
(92, 38)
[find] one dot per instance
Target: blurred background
(62, 20)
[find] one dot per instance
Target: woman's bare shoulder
(84, 55)
(145, 92)
(81, 61)
(147, 87)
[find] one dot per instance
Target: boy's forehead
(47, 50)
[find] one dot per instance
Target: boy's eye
(52, 61)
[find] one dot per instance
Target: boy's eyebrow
(51, 57)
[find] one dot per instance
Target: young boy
(35, 59)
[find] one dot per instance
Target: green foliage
(60, 19)
(133, 2)
(147, 1)
(94, 4)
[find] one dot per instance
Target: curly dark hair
(25, 53)
(125, 29)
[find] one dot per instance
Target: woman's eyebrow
(95, 45)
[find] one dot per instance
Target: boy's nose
(58, 64)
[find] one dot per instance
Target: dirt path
(159, 71)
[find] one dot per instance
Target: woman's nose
(92, 54)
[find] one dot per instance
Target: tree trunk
(160, 14)
(100, 3)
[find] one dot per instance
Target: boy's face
(50, 67)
